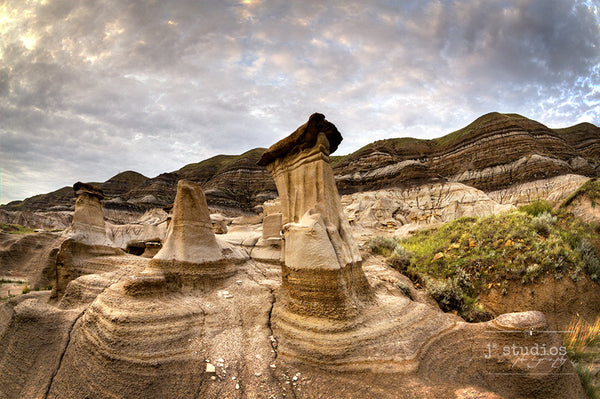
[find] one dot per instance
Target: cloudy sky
(91, 88)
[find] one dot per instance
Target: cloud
(92, 88)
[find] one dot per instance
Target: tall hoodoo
(322, 272)
(88, 219)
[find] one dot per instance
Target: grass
(590, 189)
(459, 261)
(8, 281)
(537, 208)
(15, 229)
(583, 348)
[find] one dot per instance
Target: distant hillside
(494, 152)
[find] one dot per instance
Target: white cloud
(89, 89)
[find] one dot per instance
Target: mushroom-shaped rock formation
(322, 272)
(85, 239)
(88, 220)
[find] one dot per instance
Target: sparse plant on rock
(470, 256)
(582, 342)
(446, 293)
(591, 263)
(400, 258)
(381, 245)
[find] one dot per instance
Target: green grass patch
(590, 189)
(15, 229)
(537, 208)
(8, 281)
(462, 259)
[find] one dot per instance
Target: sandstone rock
(219, 223)
(32, 341)
(120, 235)
(190, 236)
(555, 190)
(514, 355)
(30, 257)
(329, 282)
(583, 202)
(419, 207)
(86, 240)
(272, 226)
(48, 220)
(88, 219)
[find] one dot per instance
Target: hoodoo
(322, 273)
(88, 220)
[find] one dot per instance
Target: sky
(92, 88)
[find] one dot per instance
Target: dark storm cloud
(92, 88)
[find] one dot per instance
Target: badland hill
(493, 153)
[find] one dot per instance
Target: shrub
(532, 272)
(446, 293)
(591, 263)
(543, 223)
(400, 258)
(26, 290)
(381, 245)
(537, 207)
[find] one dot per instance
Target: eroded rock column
(88, 219)
(192, 256)
(321, 265)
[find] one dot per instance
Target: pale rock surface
(219, 223)
(268, 247)
(48, 220)
(88, 219)
(554, 189)
(190, 236)
(420, 206)
(120, 235)
(272, 226)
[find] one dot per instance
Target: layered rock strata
(85, 240)
(88, 225)
(418, 207)
(322, 272)
(151, 334)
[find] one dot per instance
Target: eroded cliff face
(494, 152)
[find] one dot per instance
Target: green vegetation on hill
(15, 229)
(464, 258)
